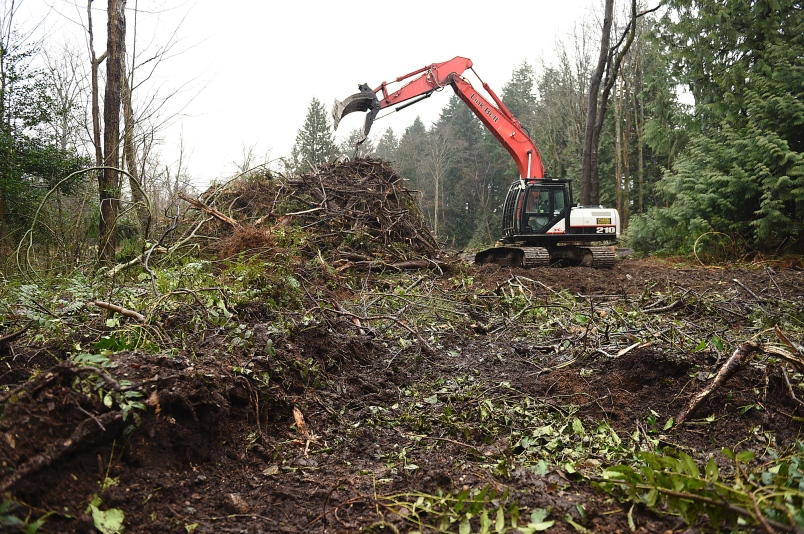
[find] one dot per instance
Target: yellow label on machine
(604, 220)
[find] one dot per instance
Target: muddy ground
(332, 427)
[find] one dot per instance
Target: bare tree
(67, 83)
(609, 60)
(95, 63)
(109, 178)
(589, 186)
(438, 157)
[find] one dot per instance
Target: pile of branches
(353, 214)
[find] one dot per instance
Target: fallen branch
(797, 362)
(117, 269)
(14, 335)
(686, 495)
(57, 372)
(118, 309)
(738, 357)
(663, 309)
(746, 288)
(197, 204)
(790, 388)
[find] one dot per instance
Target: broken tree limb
(197, 204)
(122, 311)
(14, 335)
(796, 362)
(738, 357)
(746, 288)
(663, 309)
(797, 358)
(790, 387)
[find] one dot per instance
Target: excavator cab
(535, 208)
(543, 205)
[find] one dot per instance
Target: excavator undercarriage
(599, 257)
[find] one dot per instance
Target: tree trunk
(95, 63)
(130, 157)
(609, 64)
(626, 195)
(109, 179)
(589, 157)
(639, 114)
(2, 215)
(618, 109)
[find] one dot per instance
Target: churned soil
(286, 435)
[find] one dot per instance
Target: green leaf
(689, 465)
(711, 470)
(107, 521)
(669, 424)
(577, 427)
(576, 526)
(34, 527)
(499, 525)
(485, 522)
(581, 318)
(538, 515)
(541, 526)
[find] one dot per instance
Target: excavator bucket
(365, 100)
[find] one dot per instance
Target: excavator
(541, 224)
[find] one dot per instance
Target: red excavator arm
(492, 112)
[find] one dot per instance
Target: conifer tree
(742, 172)
(387, 146)
(315, 141)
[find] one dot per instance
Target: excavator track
(602, 257)
(535, 257)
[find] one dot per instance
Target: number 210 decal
(607, 230)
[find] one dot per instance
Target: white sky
(249, 69)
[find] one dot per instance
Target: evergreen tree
(742, 172)
(30, 163)
(408, 164)
(518, 95)
(463, 177)
(387, 146)
(315, 141)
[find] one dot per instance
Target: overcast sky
(246, 70)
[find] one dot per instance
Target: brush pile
(354, 214)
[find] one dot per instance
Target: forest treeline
(702, 136)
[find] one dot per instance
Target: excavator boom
(422, 82)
